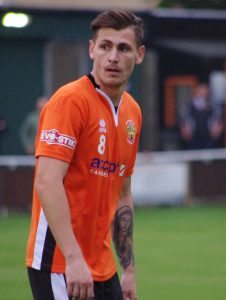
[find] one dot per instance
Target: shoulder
(74, 91)
(74, 97)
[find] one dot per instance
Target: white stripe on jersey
(40, 241)
(115, 113)
(59, 286)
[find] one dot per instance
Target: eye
(105, 47)
(124, 48)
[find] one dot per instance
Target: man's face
(125, 222)
(114, 54)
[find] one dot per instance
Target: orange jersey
(80, 125)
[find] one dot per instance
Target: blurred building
(183, 46)
(83, 4)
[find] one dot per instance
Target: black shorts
(52, 286)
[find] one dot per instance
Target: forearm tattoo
(123, 235)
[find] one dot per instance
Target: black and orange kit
(80, 125)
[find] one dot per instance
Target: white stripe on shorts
(59, 286)
(40, 241)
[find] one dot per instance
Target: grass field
(180, 254)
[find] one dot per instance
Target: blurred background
(179, 184)
(182, 155)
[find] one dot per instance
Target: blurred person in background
(29, 126)
(85, 151)
(3, 128)
(201, 124)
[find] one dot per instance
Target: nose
(113, 55)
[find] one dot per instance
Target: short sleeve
(61, 123)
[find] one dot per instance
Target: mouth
(113, 70)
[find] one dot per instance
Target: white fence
(160, 178)
(165, 177)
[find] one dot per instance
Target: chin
(113, 81)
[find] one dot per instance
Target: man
(28, 129)
(86, 147)
(201, 124)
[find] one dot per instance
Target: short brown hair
(119, 19)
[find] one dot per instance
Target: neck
(113, 92)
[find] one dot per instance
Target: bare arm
(123, 240)
(50, 188)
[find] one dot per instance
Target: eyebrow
(120, 44)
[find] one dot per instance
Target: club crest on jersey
(102, 124)
(53, 137)
(131, 131)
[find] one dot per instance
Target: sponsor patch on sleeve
(53, 137)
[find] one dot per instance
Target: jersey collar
(97, 88)
(91, 78)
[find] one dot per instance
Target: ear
(91, 46)
(140, 54)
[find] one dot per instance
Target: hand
(128, 284)
(79, 280)
(30, 150)
(216, 129)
